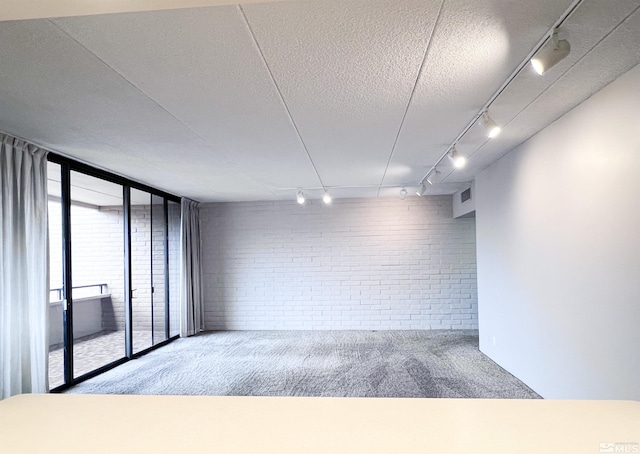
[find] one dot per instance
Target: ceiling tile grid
(237, 103)
(202, 66)
(47, 75)
(346, 71)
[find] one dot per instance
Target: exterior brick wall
(98, 257)
(378, 263)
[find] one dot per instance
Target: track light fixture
(491, 128)
(403, 193)
(433, 177)
(326, 198)
(300, 197)
(421, 190)
(542, 57)
(458, 160)
(549, 56)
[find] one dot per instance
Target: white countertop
(55, 423)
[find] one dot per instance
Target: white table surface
(54, 423)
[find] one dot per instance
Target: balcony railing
(102, 289)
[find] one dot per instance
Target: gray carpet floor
(315, 363)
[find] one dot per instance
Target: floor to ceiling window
(97, 272)
(159, 270)
(113, 265)
(148, 264)
(173, 270)
(56, 280)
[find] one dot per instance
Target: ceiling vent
(465, 195)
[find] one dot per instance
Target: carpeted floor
(315, 363)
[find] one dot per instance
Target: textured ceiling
(250, 102)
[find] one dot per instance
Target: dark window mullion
(67, 309)
(166, 267)
(153, 320)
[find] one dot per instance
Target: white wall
(356, 264)
(558, 232)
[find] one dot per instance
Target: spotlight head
(458, 160)
(326, 198)
(491, 128)
(549, 56)
(421, 190)
(300, 197)
(538, 65)
(403, 193)
(433, 177)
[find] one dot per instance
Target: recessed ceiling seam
(600, 41)
(280, 95)
(339, 186)
(142, 92)
(413, 91)
(123, 77)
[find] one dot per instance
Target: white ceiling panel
(235, 103)
(203, 67)
(75, 101)
(475, 47)
(58, 95)
(605, 44)
(346, 71)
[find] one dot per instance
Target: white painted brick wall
(357, 264)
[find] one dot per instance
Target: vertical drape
(191, 309)
(24, 268)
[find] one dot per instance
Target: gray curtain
(191, 308)
(24, 268)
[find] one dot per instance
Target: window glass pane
(158, 265)
(97, 261)
(174, 268)
(141, 303)
(56, 325)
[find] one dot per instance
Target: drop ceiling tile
(605, 44)
(346, 70)
(230, 188)
(56, 94)
(182, 100)
(203, 67)
(67, 98)
(475, 47)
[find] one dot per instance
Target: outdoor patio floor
(92, 352)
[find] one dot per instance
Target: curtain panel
(191, 307)
(24, 268)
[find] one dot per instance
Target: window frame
(68, 165)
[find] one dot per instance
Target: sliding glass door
(97, 255)
(148, 265)
(173, 246)
(159, 268)
(56, 279)
(113, 265)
